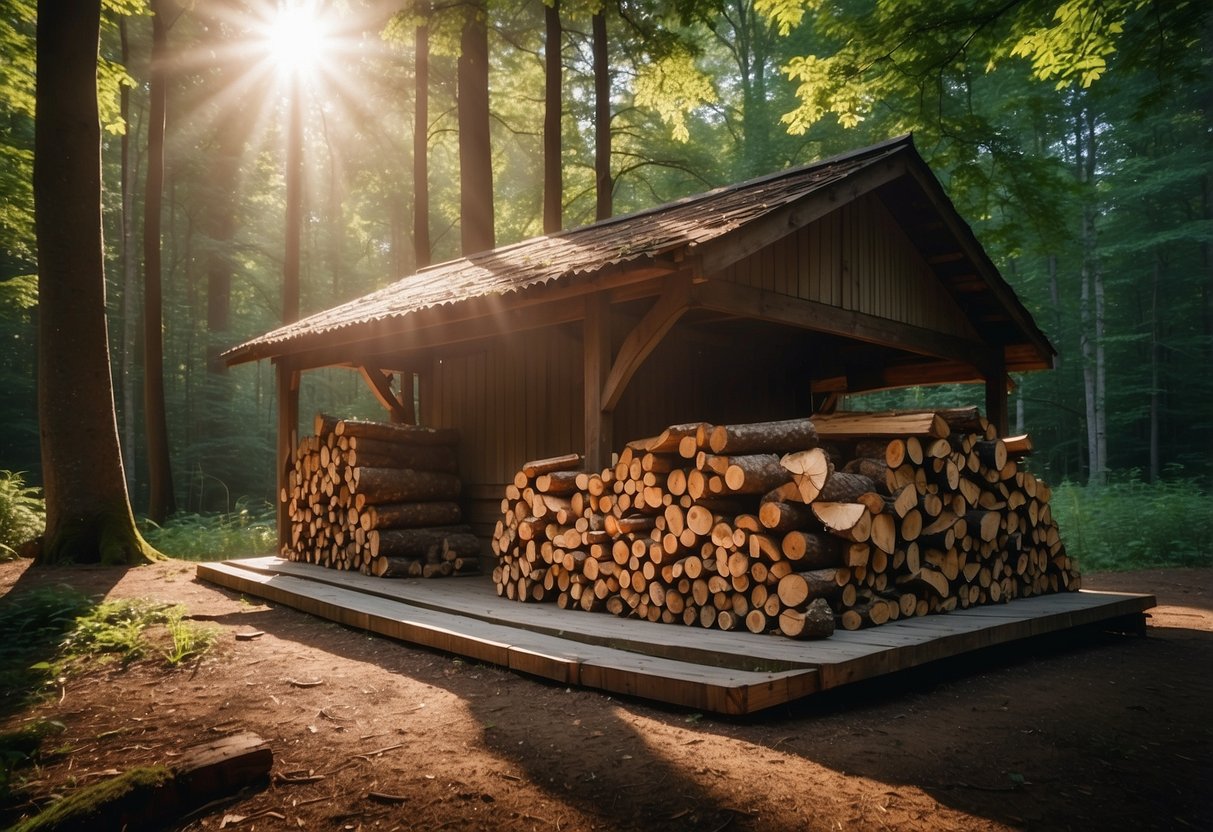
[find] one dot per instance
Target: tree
(553, 179)
(160, 471)
(475, 149)
(88, 518)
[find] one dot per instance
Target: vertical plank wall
(857, 258)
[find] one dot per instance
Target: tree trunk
(294, 204)
(1155, 360)
(421, 144)
(602, 120)
(475, 150)
(1101, 398)
(159, 468)
(130, 269)
(88, 513)
(553, 181)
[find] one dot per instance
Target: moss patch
(122, 801)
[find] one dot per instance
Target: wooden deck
(709, 670)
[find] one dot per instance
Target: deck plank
(720, 690)
(711, 670)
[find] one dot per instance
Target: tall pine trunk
(88, 512)
(475, 148)
(604, 185)
(553, 181)
(421, 145)
(130, 268)
(161, 502)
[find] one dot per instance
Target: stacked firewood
(879, 515)
(379, 498)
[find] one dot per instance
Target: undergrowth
(56, 633)
(245, 532)
(1136, 525)
(22, 513)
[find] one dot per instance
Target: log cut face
(906, 514)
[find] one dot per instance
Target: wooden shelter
(751, 302)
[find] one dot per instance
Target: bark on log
(816, 620)
(765, 437)
(403, 485)
(412, 434)
(411, 543)
(410, 515)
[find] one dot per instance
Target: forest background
(1073, 136)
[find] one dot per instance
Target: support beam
(763, 305)
(286, 379)
(596, 349)
(380, 384)
(645, 336)
(995, 371)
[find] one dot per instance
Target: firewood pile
(760, 526)
(379, 498)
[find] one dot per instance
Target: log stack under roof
(760, 526)
(379, 498)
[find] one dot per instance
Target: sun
(296, 39)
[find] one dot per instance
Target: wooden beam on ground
(764, 305)
(287, 385)
(380, 384)
(596, 349)
(645, 337)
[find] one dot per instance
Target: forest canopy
(1073, 136)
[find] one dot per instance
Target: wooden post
(287, 382)
(596, 349)
(995, 372)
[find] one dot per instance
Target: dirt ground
(1101, 732)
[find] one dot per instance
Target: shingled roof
(664, 234)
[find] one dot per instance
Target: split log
(810, 471)
(847, 520)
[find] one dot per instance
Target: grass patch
(1136, 525)
(54, 633)
(246, 532)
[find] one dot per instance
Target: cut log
(409, 515)
(567, 462)
(780, 517)
(403, 485)
(841, 487)
(812, 551)
(411, 434)
(411, 543)
(754, 474)
(816, 620)
(766, 437)
(799, 587)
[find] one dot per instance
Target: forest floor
(1100, 732)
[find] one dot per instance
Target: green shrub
(1136, 525)
(245, 532)
(22, 513)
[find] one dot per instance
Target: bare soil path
(1097, 733)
